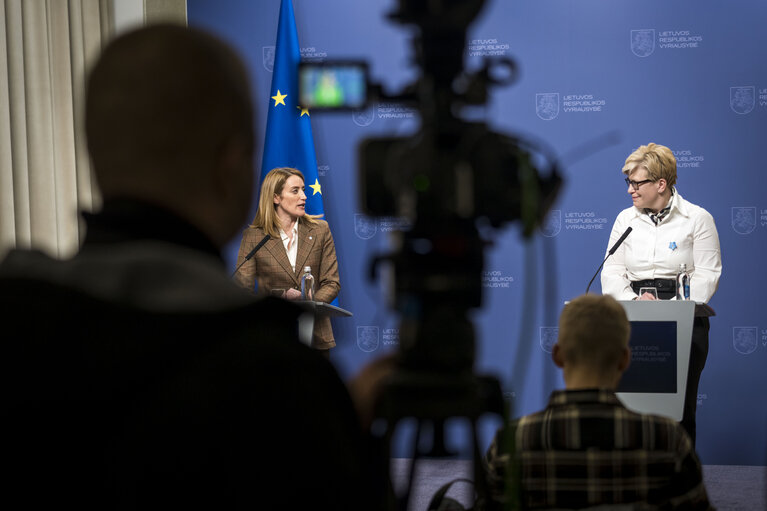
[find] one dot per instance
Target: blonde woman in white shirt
(667, 231)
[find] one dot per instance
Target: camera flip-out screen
(339, 85)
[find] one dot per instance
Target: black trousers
(698, 355)
(698, 352)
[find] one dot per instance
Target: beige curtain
(170, 11)
(45, 50)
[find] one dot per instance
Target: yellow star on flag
(303, 111)
(279, 98)
(316, 187)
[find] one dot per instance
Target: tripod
(435, 397)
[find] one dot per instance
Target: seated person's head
(593, 343)
(169, 121)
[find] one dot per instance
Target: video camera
(451, 180)
(448, 179)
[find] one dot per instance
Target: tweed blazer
(270, 268)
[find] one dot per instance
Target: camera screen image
(337, 85)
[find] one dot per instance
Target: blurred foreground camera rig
(450, 178)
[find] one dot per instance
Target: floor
(730, 487)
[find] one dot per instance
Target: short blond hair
(273, 183)
(657, 159)
(594, 332)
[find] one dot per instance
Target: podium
(313, 311)
(661, 335)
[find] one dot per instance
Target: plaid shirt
(586, 449)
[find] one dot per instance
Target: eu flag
(288, 141)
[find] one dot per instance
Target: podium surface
(661, 335)
(316, 310)
(322, 309)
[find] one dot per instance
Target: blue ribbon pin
(672, 245)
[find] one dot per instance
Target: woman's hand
(292, 294)
(647, 296)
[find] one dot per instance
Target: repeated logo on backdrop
(267, 54)
(367, 338)
(487, 48)
(363, 118)
(390, 336)
(548, 337)
(552, 224)
(310, 54)
(547, 104)
(395, 111)
(384, 111)
(585, 221)
(371, 337)
(366, 227)
(496, 279)
(644, 41)
(687, 159)
(742, 99)
(572, 221)
(744, 219)
(745, 98)
(745, 339)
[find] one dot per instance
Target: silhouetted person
(586, 449)
(136, 375)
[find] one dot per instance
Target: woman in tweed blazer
(296, 239)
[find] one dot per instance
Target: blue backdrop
(687, 74)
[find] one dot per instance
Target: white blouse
(687, 235)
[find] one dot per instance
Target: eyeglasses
(636, 184)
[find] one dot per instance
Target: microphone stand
(611, 252)
(251, 254)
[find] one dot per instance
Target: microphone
(620, 240)
(609, 253)
(253, 252)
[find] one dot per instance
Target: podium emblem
(367, 338)
(744, 220)
(745, 339)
